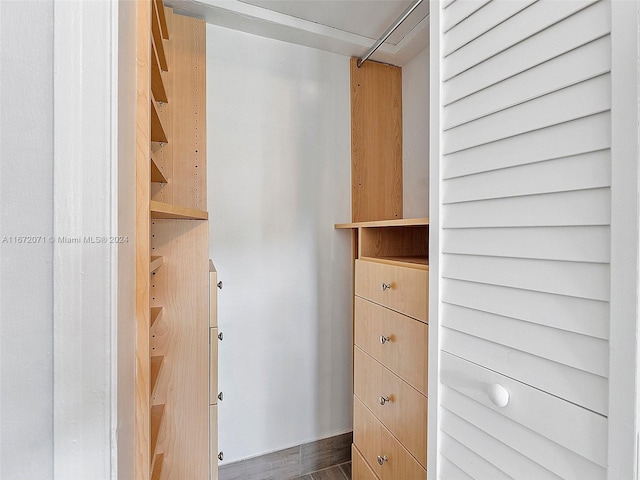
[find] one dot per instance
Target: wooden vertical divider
(376, 141)
(143, 172)
(189, 112)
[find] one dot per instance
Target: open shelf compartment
(396, 242)
(157, 77)
(156, 174)
(157, 414)
(156, 470)
(158, 132)
(156, 36)
(156, 367)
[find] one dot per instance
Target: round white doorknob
(498, 395)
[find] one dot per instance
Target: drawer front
(213, 297)
(213, 442)
(359, 468)
(399, 406)
(403, 348)
(562, 437)
(373, 440)
(403, 289)
(213, 366)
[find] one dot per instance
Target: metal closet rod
(388, 32)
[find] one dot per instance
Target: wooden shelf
(173, 349)
(158, 133)
(401, 222)
(156, 174)
(156, 37)
(163, 19)
(156, 366)
(157, 413)
(156, 470)
(155, 263)
(156, 313)
(419, 262)
(157, 77)
(165, 210)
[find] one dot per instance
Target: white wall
(26, 195)
(66, 170)
(415, 136)
(279, 178)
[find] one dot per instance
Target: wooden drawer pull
(498, 395)
(382, 459)
(385, 286)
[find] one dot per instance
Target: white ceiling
(348, 27)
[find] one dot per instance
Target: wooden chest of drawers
(390, 353)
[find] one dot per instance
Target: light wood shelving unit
(390, 270)
(172, 282)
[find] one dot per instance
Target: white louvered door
(525, 218)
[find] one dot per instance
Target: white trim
(435, 158)
(114, 247)
(1, 410)
(625, 242)
(83, 279)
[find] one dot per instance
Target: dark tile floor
(337, 472)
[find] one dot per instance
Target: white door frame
(85, 222)
(625, 242)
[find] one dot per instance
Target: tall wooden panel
(172, 404)
(376, 142)
(181, 287)
(189, 115)
(143, 121)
